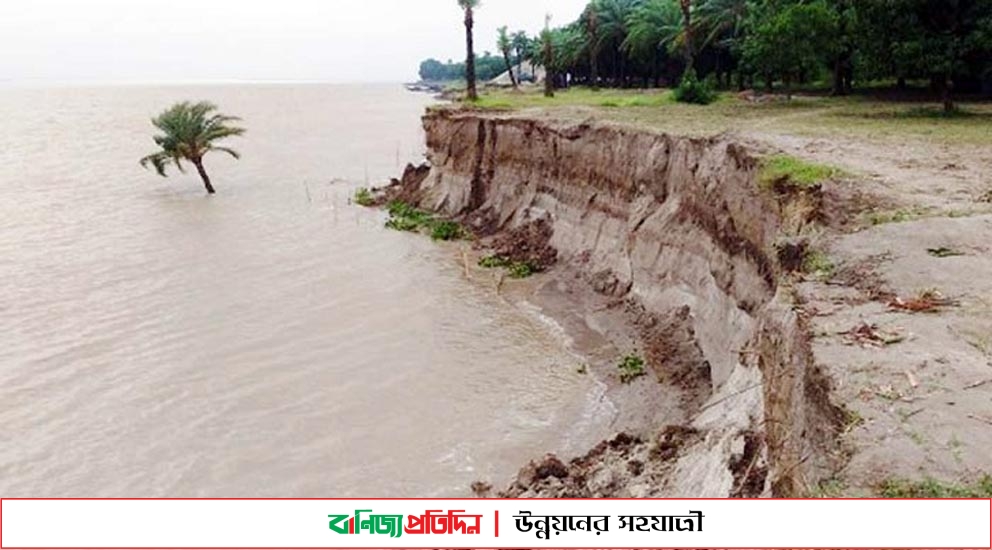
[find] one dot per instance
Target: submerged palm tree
(469, 6)
(190, 131)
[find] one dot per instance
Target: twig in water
(977, 384)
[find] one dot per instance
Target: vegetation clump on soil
(818, 264)
(631, 368)
(516, 270)
(793, 171)
(931, 488)
(364, 197)
(403, 217)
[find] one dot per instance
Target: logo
(431, 522)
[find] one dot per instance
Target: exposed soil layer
(674, 241)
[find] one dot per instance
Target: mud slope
(677, 234)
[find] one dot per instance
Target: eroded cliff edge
(676, 236)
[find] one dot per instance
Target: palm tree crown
(189, 132)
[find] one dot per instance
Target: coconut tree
(548, 57)
(591, 20)
(189, 132)
(505, 45)
(722, 25)
(687, 35)
(468, 6)
(655, 26)
(521, 43)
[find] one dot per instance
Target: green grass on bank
(605, 98)
(904, 488)
(931, 488)
(860, 116)
(797, 172)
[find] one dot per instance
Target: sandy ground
(921, 404)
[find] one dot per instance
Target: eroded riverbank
(825, 339)
(668, 248)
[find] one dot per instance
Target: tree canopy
(944, 44)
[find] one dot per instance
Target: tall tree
(189, 132)
(505, 45)
(788, 41)
(591, 20)
(548, 57)
(611, 22)
(690, 51)
(520, 45)
(722, 25)
(468, 6)
(654, 28)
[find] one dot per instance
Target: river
(272, 340)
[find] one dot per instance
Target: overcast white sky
(216, 40)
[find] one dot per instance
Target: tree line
(767, 44)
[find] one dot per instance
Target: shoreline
(533, 193)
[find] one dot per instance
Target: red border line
(2, 547)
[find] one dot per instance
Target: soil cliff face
(677, 231)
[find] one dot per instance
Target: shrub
(404, 217)
(364, 197)
(446, 231)
(516, 270)
(493, 262)
(520, 270)
(631, 368)
(818, 264)
(692, 90)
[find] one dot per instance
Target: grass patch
(447, 231)
(797, 172)
(631, 368)
(933, 113)
(493, 262)
(578, 96)
(364, 197)
(818, 264)
(515, 270)
(931, 488)
(857, 116)
(404, 217)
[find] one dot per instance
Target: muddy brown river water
(272, 340)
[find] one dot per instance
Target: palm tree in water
(469, 7)
(189, 132)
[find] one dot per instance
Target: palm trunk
(203, 174)
(690, 53)
(947, 93)
(473, 94)
(509, 68)
(549, 56)
(594, 68)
